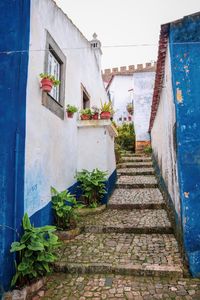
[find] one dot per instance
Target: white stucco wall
(120, 95)
(51, 143)
(96, 146)
(162, 134)
(143, 84)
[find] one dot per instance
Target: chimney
(96, 46)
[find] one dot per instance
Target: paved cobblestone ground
(130, 219)
(137, 179)
(135, 171)
(113, 287)
(135, 164)
(100, 257)
(136, 159)
(136, 196)
(114, 249)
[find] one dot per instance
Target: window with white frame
(55, 65)
(54, 69)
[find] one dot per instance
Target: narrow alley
(128, 251)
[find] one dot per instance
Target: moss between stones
(90, 211)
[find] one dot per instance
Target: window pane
(54, 69)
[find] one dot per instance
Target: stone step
(136, 199)
(113, 287)
(135, 155)
(145, 164)
(131, 182)
(135, 171)
(124, 254)
(128, 221)
(135, 159)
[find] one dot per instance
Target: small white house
(42, 147)
(132, 86)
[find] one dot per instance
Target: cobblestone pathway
(128, 251)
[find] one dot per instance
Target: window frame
(84, 91)
(57, 107)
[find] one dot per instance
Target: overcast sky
(126, 22)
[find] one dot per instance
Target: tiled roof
(160, 69)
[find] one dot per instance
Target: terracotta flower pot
(85, 117)
(47, 85)
(105, 115)
(70, 114)
(95, 116)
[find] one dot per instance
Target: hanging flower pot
(47, 85)
(47, 82)
(105, 115)
(129, 108)
(95, 116)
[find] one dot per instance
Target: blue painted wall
(185, 64)
(44, 216)
(14, 36)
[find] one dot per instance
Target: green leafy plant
(50, 77)
(106, 106)
(86, 111)
(36, 252)
(129, 108)
(71, 108)
(64, 205)
(148, 150)
(126, 136)
(92, 185)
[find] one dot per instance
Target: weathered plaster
(185, 63)
(14, 36)
(143, 84)
(163, 139)
(52, 143)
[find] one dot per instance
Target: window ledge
(98, 123)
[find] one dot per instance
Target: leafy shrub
(92, 185)
(147, 150)
(117, 153)
(35, 252)
(126, 136)
(63, 205)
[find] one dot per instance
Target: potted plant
(48, 81)
(106, 110)
(129, 108)
(71, 109)
(86, 114)
(95, 113)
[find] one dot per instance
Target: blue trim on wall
(110, 186)
(14, 35)
(185, 65)
(44, 216)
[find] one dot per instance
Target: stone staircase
(133, 236)
(128, 251)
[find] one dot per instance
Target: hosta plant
(93, 186)
(64, 205)
(35, 252)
